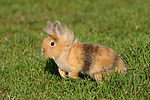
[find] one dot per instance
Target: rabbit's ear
(58, 29)
(49, 28)
(49, 25)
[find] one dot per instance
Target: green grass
(123, 25)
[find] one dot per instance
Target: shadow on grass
(52, 68)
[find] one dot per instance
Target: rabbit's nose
(42, 50)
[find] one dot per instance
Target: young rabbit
(73, 57)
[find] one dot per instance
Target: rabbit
(73, 57)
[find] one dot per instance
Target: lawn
(123, 25)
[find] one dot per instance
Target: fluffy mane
(69, 36)
(66, 33)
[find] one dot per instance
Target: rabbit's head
(57, 41)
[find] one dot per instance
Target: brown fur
(74, 57)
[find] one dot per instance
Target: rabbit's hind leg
(98, 77)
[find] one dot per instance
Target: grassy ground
(123, 25)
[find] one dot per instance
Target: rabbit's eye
(52, 43)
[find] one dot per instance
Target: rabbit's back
(92, 58)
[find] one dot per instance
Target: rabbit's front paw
(62, 73)
(73, 75)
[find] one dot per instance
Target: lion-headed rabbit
(73, 57)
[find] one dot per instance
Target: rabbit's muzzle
(42, 52)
